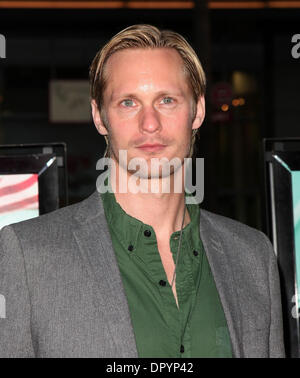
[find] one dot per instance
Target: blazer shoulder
(60, 220)
(235, 234)
(60, 217)
(226, 224)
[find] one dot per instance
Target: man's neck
(163, 211)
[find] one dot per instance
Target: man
(129, 273)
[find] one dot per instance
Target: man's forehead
(151, 51)
(152, 55)
(162, 67)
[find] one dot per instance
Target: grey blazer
(65, 298)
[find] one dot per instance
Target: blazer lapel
(222, 274)
(95, 245)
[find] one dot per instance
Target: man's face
(148, 105)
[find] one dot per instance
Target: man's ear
(97, 119)
(200, 113)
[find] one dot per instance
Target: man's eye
(167, 100)
(127, 103)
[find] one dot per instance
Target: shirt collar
(129, 229)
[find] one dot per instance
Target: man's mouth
(152, 147)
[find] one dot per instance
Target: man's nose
(149, 121)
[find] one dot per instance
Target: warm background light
(238, 101)
(150, 4)
(224, 107)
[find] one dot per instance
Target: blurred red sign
(221, 116)
(221, 93)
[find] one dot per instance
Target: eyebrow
(115, 97)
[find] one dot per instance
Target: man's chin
(148, 168)
(149, 172)
(150, 175)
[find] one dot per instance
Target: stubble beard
(166, 171)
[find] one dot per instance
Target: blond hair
(146, 36)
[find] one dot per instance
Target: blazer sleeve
(276, 341)
(15, 328)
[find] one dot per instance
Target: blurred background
(244, 46)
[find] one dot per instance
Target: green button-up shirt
(198, 327)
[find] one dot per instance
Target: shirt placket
(151, 262)
(185, 290)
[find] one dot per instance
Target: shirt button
(147, 233)
(181, 349)
(195, 253)
(162, 283)
(130, 248)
